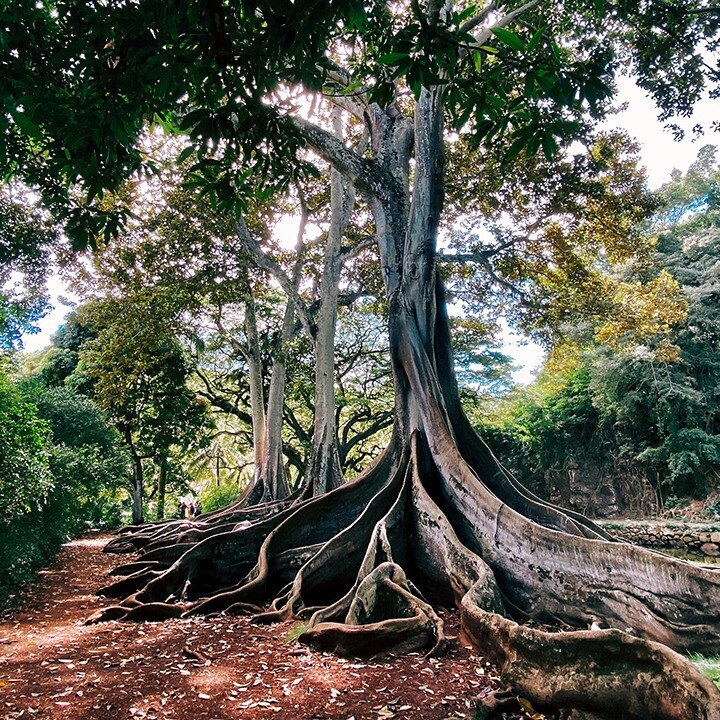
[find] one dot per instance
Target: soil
(54, 667)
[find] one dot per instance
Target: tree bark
(324, 471)
(271, 484)
(162, 488)
(138, 478)
(255, 379)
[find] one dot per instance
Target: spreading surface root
(364, 565)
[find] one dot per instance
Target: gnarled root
(607, 672)
(384, 616)
(365, 563)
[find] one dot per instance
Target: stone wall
(693, 537)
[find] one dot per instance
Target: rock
(710, 549)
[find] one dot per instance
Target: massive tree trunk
(437, 519)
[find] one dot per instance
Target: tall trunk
(324, 471)
(137, 478)
(255, 379)
(275, 486)
(270, 479)
(162, 488)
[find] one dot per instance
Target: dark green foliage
(86, 459)
(207, 68)
(61, 469)
(25, 487)
(139, 372)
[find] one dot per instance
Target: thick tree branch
(267, 263)
(365, 173)
(486, 33)
(353, 251)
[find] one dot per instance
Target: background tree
(139, 374)
(214, 274)
(639, 422)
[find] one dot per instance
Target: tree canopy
(263, 93)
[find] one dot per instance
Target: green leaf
(26, 124)
(393, 58)
(477, 60)
(509, 38)
(549, 145)
(535, 39)
(464, 116)
(185, 154)
(516, 148)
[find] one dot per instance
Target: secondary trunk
(255, 379)
(324, 472)
(138, 479)
(270, 483)
(162, 488)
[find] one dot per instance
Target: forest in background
(149, 378)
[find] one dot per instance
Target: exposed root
(365, 563)
(384, 616)
(606, 672)
(133, 567)
(114, 612)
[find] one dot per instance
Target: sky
(660, 154)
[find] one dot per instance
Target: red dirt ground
(54, 667)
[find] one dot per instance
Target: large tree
(436, 517)
(139, 376)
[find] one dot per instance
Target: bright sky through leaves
(660, 153)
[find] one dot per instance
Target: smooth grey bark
(162, 488)
(270, 479)
(272, 470)
(255, 379)
(324, 471)
(138, 478)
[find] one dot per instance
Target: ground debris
(55, 667)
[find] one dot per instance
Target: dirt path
(54, 667)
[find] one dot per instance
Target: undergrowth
(708, 666)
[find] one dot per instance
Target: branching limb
(273, 267)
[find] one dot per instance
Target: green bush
(215, 497)
(61, 472)
(25, 478)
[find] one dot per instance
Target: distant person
(182, 509)
(196, 509)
